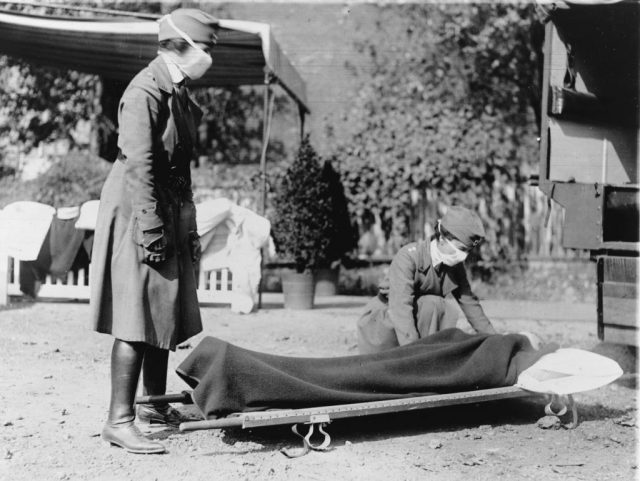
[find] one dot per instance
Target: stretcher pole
(222, 423)
(183, 397)
(320, 417)
(326, 414)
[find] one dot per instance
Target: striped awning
(118, 48)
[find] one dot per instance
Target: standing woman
(143, 286)
(410, 304)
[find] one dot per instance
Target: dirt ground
(55, 386)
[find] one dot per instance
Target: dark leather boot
(126, 361)
(154, 382)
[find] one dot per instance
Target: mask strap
(442, 236)
(451, 244)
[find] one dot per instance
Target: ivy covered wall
(447, 114)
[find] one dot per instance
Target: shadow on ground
(16, 304)
(626, 356)
(598, 412)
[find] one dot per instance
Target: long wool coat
(148, 187)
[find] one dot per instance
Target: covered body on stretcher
(233, 383)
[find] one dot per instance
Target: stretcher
(317, 418)
(557, 375)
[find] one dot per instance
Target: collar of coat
(422, 258)
(161, 75)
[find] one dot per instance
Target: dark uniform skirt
(377, 333)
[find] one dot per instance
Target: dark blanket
(64, 249)
(227, 378)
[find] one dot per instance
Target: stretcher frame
(319, 417)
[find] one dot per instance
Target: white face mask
(197, 63)
(456, 257)
(194, 62)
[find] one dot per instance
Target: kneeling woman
(410, 304)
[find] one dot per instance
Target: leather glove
(155, 246)
(194, 247)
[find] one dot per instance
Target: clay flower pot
(298, 289)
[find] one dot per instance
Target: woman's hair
(176, 45)
(440, 232)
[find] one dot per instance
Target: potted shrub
(342, 236)
(302, 224)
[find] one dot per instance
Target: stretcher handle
(230, 422)
(183, 397)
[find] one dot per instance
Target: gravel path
(55, 393)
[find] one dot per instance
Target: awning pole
(266, 133)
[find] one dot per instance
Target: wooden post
(266, 132)
(4, 279)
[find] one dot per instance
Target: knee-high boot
(154, 370)
(126, 361)
(154, 381)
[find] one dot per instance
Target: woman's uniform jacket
(149, 187)
(411, 275)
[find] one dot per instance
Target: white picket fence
(214, 287)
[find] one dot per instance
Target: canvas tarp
(119, 47)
